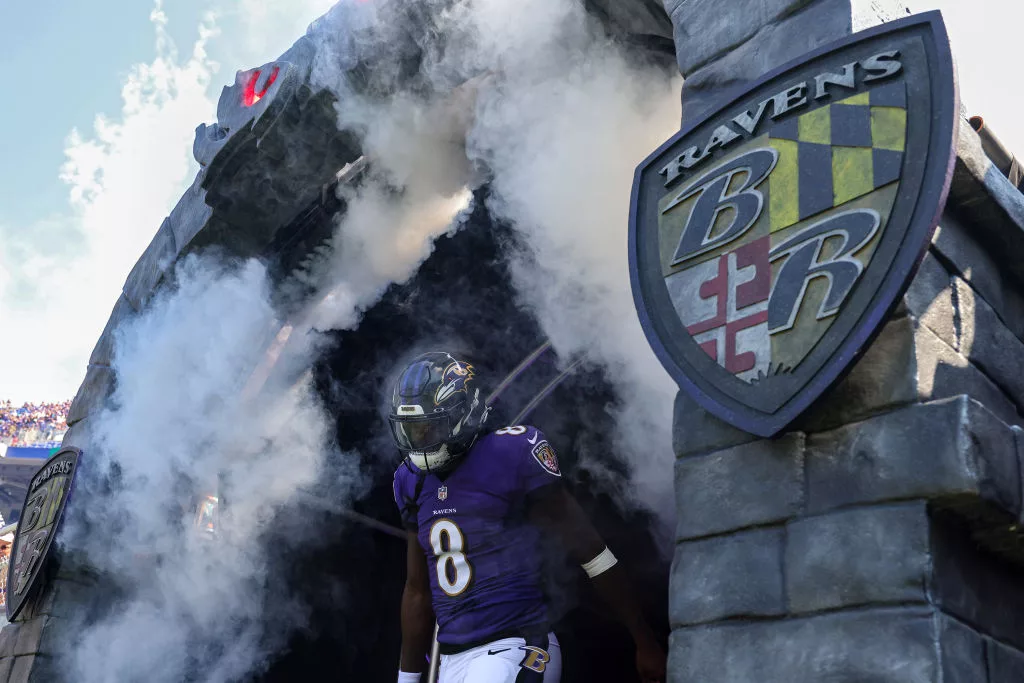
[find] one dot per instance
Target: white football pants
(509, 660)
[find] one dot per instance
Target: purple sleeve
(406, 506)
(538, 464)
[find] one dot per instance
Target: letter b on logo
(716, 194)
(536, 659)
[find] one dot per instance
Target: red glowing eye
(249, 94)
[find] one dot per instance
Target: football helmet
(436, 410)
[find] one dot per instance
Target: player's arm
(417, 612)
(556, 510)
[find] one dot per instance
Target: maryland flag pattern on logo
(769, 239)
(837, 153)
(818, 166)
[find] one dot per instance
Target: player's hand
(650, 661)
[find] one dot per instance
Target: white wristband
(407, 677)
(599, 565)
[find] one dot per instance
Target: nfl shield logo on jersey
(770, 240)
(442, 493)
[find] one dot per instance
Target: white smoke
(562, 138)
(197, 409)
(416, 188)
(558, 118)
(180, 425)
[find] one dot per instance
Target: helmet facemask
(435, 414)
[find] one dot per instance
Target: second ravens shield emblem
(769, 241)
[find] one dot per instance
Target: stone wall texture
(723, 44)
(880, 539)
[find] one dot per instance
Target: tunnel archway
(351, 578)
(265, 190)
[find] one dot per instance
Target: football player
(475, 504)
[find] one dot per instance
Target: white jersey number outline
(512, 431)
(453, 556)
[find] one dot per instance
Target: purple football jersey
(483, 557)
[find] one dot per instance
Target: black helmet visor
(419, 433)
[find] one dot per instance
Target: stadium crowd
(32, 423)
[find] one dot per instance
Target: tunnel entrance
(349, 581)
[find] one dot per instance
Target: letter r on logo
(803, 261)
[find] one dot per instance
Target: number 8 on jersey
(454, 572)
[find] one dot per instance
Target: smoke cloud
(180, 424)
(197, 409)
(555, 117)
(527, 96)
(562, 145)
(415, 189)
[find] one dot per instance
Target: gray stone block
(864, 556)
(8, 638)
(754, 484)
(962, 650)
(5, 668)
(150, 267)
(950, 307)
(190, 214)
(930, 300)
(647, 18)
(103, 352)
(893, 645)
(970, 260)
(91, 396)
(943, 449)
(942, 373)
(730, 576)
(58, 632)
(29, 634)
(884, 377)
(992, 206)
(46, 669)
(21, 670)
(817, 23)
(705, 30)
(973, 585)
(1005, 664)
(695, 431)
(989, 344)
(39, 603)
(78, 435)
(906, 363)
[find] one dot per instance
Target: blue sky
(63, 62)
(103, 99)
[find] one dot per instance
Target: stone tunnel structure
(878, 540)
